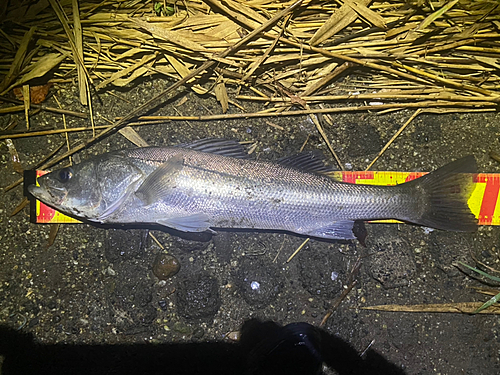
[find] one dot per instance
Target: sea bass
(212, 183)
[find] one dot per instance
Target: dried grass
(449, 47)
(323, 57)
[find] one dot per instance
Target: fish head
(93, 189)
(71, 190)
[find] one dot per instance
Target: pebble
(165, 266)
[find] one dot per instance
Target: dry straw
(321, 57)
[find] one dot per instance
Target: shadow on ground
(264, 348)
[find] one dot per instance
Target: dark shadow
(264, 348)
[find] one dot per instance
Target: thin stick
(325, 138)
(351, 281)
(48, 132)
(279, 251)
(444, 80)
(382, 95)
(297, 251)
(156, 240)
(45, 108)
(337, 303)
(232, 116)
(154, 120)
(27, 102)
(16, 108)
(305, 142)
(91, 113)
(65, 128)
(417, 112)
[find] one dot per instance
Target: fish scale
(245, 193)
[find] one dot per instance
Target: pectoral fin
(161, 181)
(193, 223)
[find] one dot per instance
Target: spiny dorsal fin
(219, 146)
(308, 161)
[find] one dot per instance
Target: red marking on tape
(352, 177)
(489, 201)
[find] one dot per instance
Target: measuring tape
(483, 201)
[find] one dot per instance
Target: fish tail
(444, 194)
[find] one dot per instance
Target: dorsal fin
(219, 146)
(308, 161)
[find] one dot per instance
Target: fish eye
(65, 174)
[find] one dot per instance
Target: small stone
(163, 305)
(182, 328)
(198, 333)
(33, 322)
(165, 266)
(110, 271)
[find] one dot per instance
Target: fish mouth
(48, 194)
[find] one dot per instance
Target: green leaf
(494, 278)
(158, 8)
(489, 303)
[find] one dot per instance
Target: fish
(213, 183)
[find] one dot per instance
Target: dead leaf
(339, 20)
(184, 71)
(40, 68)
(221, 95)
(169, 36)
(37, 93)
(115, 76)
(15, 67)
(438, 13)
(133, 136)
(369, 15)
(54, 228)
(459, 307)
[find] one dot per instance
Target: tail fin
(445, 194)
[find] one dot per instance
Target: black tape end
(29, 178)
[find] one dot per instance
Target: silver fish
(213, 184)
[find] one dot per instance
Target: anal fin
(339, 230)
(198, 222)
